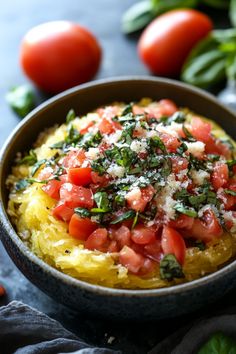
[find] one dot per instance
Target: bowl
(88, 298)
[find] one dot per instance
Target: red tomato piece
(74, 158)
(200, 130)
(52, 188)
(62, 212)
(76, 196)
(96, 240)
(143, 235)
(182, 222)
(171, 142)
(106, 126)
(207, 228)
(122, 236)
(81, 228)
(131, 260)
(167, 41)
(178, 164)
(173, 243)
(58, 55)
(167, 107)
(84, 129)
(108, 112)
(138, 200)
(153, 250)
(113, 247)
(80, 176)
(220, 175)
(98, 179)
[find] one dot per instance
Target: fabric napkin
(24, 330)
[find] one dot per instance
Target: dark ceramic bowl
(82, 296)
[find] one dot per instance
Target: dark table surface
(119, 58)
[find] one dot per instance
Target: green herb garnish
(170, 268)
(125, 216)
(21, 99)
(30, 159)
(70, 116)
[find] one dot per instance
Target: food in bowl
(136, 196)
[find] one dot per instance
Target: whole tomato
(58, 55)
(166, 42)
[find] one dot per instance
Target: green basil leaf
(232, 12)
(170, 268)
(230, 192)
(185, 210)
(84, 213)
(36, 166)
(137, 17)
(135, 220)
(21, 99)
(125, 216)
(21, 185)
(218, 4)
(30, 159)
(70, 116)
(219, 343)
(102, 201)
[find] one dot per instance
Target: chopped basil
(98, 166)
(170, 268)
(135, 220)
(185, 210)
(36, 166)
(157, 143)
(90, 140)
(21, 99)
(189, 136)
(197, 200)
(102, 201)
(181, 149)
(213, 157)
(84, 213)
(30, 159)
(21, 185)
(231, 163)
(230, 192)
(127, 109)
(70, 116)
(125, 216)
(177, 117)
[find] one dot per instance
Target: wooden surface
(119, 58)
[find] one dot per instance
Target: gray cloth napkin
(24, 330)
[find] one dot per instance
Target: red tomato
(76, 196)
(171, 142)
(84, 129)
(147, 267)
(178, 164)
(98, 179)
(200, 130)
(113, 247)
(143, 235)
(167, 41)
(96, 240)
(80, 175)
(207, 228)
(173, 243)
(106, 126)
(153, 250)
(162, 108)
(122, 236)
(138, 201)
(182, 222)
(131, 260)
(220, 175)
(58, 55)
(74, 158)
(62, 212)
(52, 188)
(81, 228)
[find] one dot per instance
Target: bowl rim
(93, 288)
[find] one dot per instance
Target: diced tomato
(74, 158)
(76, 196)
(215, 146)
(153, 250)
(122, 236)
(167, 107)
(81, 228)
(200, 130)
(113, 247)
(80, 175)
(147, 267)
(84, 129)
(207, 228)
(136, 109)
(229, 223)
(171, 142)
(62, 212)
(178, 164)
(220, 175)
(101, 180)
(52, 188)
(182, 222)
(143, 235)
(45, 173)
(108, 111)
(106, 126)
(228, 200)
(138, 199)
(131, 260)
(96, 240)
(173, 243)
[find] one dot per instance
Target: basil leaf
(135, 220)
(137, 17)
(185, 210)
(125, 216)
(218, 4)
(219, 343)
(102, 201)
(82, 212)
(196, 200)
(98, 166)
(157, 143)
(188, 134)
(170, 268)
(30, 159)
(21, 99)
(70, 116)
(231, 163)
(21, 185)
(58, 145)
(36, 166)
(128, 109)
(230, 192)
